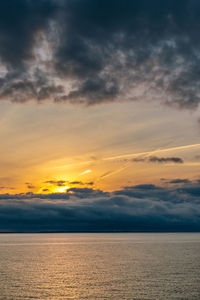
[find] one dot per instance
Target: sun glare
(61, 189)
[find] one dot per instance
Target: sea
(100, 266)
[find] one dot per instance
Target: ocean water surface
(100, 266)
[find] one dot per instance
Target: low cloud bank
(136, 208)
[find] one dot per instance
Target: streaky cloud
(156, 159)
(176, 160)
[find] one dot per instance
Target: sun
(61, 189)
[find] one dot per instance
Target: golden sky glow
(96, 144)
(63, 142)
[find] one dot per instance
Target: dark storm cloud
(90, 51)
(156, 159)
(134, 208)
(20, 21)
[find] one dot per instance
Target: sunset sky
(99, 97)
(108, 145)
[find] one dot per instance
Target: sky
(99, 115)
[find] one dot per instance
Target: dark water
(100, 266)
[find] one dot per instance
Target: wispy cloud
(156, 159)
(138, 155)
(85, 172)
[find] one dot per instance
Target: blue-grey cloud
(135, 208)
(65, 182)
(90, 51)
(178, 181)
(56, 182)
(156, 159)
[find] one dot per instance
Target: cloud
(81, 183)
(63, 183)
(156, 159)
(14, 15)
(85, 172)
(176, 160)
(179, 181)
(6, 188)
(29, 185)
(133, 208)
(57, 182)
(89, 51)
